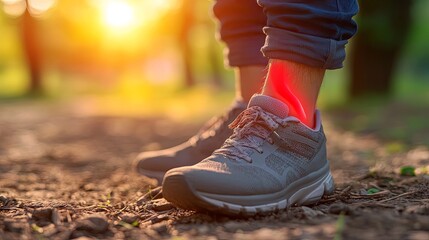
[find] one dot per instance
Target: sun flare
(118, 14)
(126, 15)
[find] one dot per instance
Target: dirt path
(64, 175)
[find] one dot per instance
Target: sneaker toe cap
(152, 161)
(164, 160)
(239, 181)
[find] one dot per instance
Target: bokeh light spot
(14, 8)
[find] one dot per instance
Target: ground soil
(66, 174)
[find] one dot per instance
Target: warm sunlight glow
(133, 17)
(118, 14)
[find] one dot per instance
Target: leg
(241, 23)
(249, 81)
(274, 159)
(243, 36)
(303, 40)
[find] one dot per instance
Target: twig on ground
(85, 207)
(398, 196)
(345, 190)
(376, 186)
(8, 208)
(375, 195)
(336, 196)
(120, 211)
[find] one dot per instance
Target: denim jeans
(311, 32)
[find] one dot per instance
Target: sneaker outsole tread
(181, 194)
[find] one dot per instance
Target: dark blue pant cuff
(245, 51)
(305, 49)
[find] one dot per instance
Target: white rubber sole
(307, 195)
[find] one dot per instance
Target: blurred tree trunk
(187, 23)
(383, 28)
(216, 67)
(187, 14)
(32, 52)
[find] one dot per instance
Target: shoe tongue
(238, 104)
(270, 104)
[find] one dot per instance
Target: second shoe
(155, 164)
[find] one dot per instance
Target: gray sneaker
(155, 164)
(270, 162)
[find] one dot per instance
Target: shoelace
(251, 127)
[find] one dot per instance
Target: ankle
(306, 115)
(309, 121)
(297, 85)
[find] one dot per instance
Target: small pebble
(13, 226)
(161, 228)
(310, 213)
(55, 217)
(232, 226)
(129, 218)
(339, 208)
(422, 210)
(203, 229)
(3, 199)
(93, 223)
(42, 214)
(160, 218)
(160, 205)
